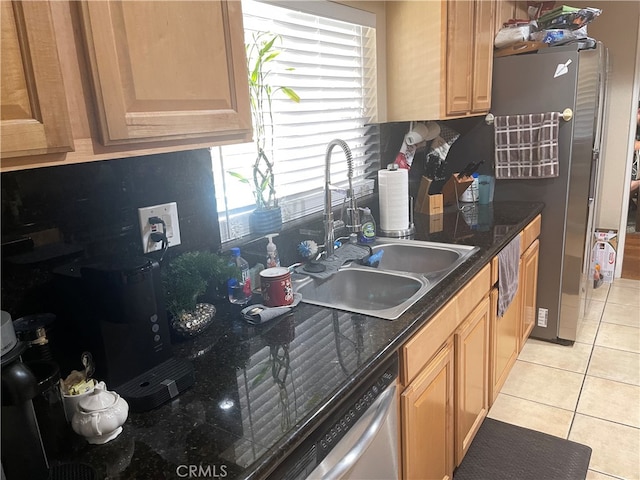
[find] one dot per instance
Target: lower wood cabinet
(529, 276)
(471, 344)
(453, 368)
(427, 420)
(504, 341)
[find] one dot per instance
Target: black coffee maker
(115, 309)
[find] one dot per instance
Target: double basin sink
(407, 270)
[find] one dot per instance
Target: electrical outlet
(168, 213)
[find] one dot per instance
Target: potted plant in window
(185, 281)
(267, 217)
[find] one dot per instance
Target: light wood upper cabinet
(166, 70)
(439, 58)
(33, 113)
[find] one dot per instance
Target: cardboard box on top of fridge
(603, 257)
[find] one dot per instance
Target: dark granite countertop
(260, 389)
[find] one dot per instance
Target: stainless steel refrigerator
(554, 79)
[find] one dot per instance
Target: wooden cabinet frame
(144, 87)
(35, 119)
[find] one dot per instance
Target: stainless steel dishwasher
(359, 440)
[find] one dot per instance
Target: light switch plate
(168, 213)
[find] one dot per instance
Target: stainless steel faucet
(352, 211)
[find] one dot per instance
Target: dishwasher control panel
(341, 426)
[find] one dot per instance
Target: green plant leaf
(240, 177)
(291, 94)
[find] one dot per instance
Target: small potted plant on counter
(267, 217)
(185, 281)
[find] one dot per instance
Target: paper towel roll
(394, 199)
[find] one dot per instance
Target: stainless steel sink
(407, 271)
(427, 258)
(364, 290)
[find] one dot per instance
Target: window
(330, 64)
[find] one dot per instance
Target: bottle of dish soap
(272, 252)
(368, 229)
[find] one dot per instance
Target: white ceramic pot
(100, 416)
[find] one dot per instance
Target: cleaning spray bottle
(272, 252)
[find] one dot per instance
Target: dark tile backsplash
(91, 209)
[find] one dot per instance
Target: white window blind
(330, 64)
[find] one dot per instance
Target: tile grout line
(586, 370)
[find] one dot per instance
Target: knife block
(434, 204)
(455, 187)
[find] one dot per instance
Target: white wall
(618, 27)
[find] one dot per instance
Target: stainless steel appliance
(359, 439)
(554, 79)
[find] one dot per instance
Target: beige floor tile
(609, 400)
(621, 314)
(528, 414)
(615, 365)
(593, 475)
(615, 447)
(593, 310)
(600, 293)
(624, 296)
(586, 332)
(542, 384)
(620, 337)
(573, 358)
(627, 282)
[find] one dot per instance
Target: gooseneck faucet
(354, 224)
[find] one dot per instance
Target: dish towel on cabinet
(526, 146)
(508, 271)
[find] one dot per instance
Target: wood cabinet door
(529, 291)
(503, 342)
(460, 51)
(34, 118)
(427, 420)
(484, 20)
(416, 47)
(471, 343)
(167, 70)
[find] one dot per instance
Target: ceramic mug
(276, 287)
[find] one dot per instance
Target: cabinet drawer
(415, 354)
(472, 293)
(530, 233)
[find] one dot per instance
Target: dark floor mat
(501, 451)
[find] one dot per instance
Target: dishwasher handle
(384, 403)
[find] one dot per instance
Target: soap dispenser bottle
(272, 252)
(368, 230)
